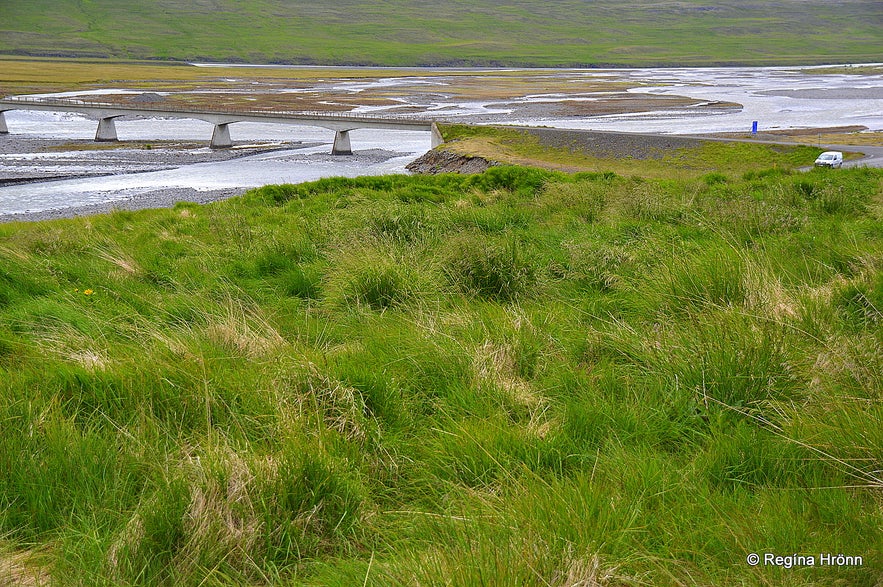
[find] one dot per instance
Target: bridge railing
(183, 109)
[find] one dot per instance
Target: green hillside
(479, 32)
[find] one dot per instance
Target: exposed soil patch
(443, 161)
(315, 100)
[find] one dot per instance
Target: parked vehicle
(830, 159)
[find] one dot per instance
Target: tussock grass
(522, 377)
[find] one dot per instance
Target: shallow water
(775, 97)
(376, 153)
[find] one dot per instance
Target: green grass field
(478, 32)
(515, 378)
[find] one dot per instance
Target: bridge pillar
(221, 137)
(3, 128)
(342, 143)
(437, 138)
(107, 130)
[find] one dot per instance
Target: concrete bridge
(107, 113)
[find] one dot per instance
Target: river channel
(159, 161)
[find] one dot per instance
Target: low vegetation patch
(523, 377)
(585, 151)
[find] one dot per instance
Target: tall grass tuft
(709, 278)
(492, 270)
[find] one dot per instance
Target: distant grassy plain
(477, 32)
(33, 75)
(523, 377)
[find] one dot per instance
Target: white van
(830, 159)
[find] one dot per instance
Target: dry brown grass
(587, 573)
(767, 296)
(243, 330)
(340, 407)
(220, 521)
(21, 569)
(60, 339)
(77, 72)
(114, 255)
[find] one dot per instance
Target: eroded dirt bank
(443, 161)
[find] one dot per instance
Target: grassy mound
(516, 378)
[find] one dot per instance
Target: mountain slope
(477, 32)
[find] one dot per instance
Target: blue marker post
(754, 127)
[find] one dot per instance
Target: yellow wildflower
(87, 292)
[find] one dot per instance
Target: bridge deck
(106, 112)
(219, 116)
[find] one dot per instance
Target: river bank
(52, 178)
(171, 157)
(28, 161)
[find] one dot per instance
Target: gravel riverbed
(28, 160)
(25, 160)
(164, 198)
(37, 162)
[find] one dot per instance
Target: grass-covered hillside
(477, 32)
(516, 378)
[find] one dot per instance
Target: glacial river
(777, 98)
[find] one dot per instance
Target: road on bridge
(106, 113)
